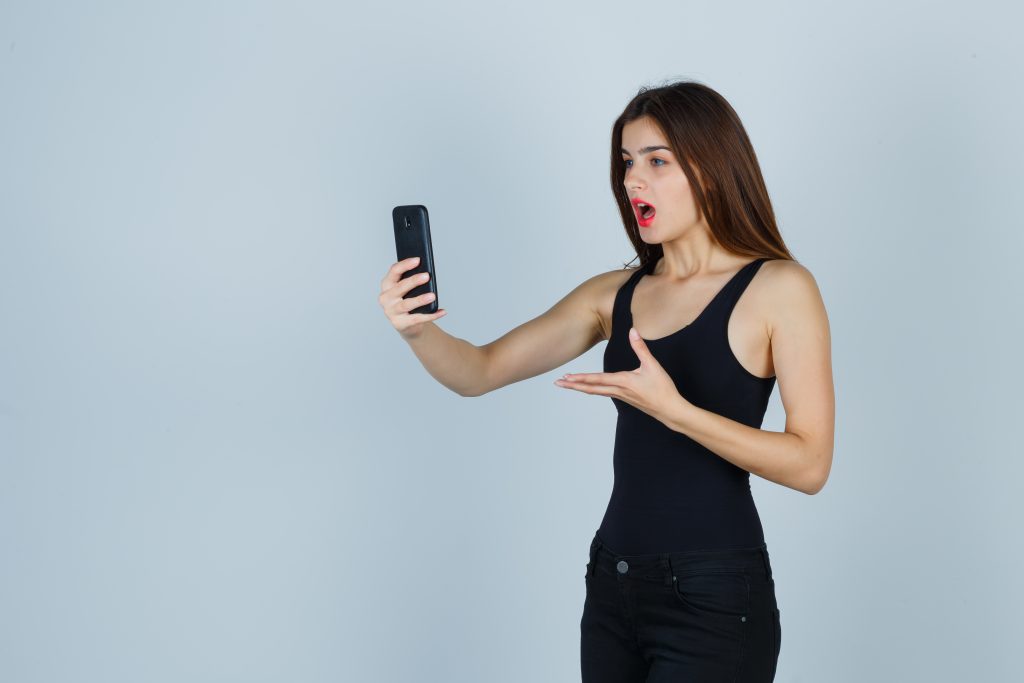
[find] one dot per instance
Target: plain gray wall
(218, 460)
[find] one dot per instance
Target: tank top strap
(736, 286)
(620, 314)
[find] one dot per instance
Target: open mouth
(644, 211)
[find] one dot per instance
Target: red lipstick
(643, 210)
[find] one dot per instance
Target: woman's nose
(633, 181)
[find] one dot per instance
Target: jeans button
(622, 566)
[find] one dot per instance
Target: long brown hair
(704, 132)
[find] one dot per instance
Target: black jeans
(703, 615)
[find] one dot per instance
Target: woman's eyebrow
(645, 150)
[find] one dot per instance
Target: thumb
(639, 345)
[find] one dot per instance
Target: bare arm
(801, 456)
(452, 361)
(563, 332)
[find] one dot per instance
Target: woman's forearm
(782, 457)
(453, 362)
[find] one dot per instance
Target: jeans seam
(775, 641)
(745, 630)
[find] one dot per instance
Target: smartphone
(412, 238)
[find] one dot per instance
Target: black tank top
(670, 492)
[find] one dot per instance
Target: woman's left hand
(648, 388)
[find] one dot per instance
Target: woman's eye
(630, 161)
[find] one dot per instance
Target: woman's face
(654, 175)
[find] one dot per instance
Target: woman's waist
(680, 490)
(751, 560)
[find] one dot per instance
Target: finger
(426, 317)
(596, 389)
(404, 286)
(406, 305)
(394, 273)
(574, 377)
(603, 378)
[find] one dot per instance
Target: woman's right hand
(394, 287)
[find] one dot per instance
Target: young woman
(678, 585)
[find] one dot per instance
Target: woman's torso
(670, 492)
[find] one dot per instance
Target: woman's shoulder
(786, 273)
(601, 291)
(612, 279)
(786, 285)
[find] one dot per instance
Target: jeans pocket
(721, 594)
